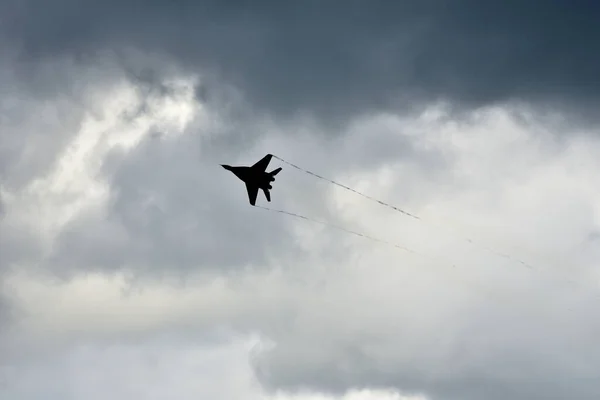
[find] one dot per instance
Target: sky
(132, 265)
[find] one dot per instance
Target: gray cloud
(33, 133)
(531, 375)
(37, 126)
(522, 345)
(340, 57)
(5, 310)
(338, 323)
(167, 366)
(171, 209)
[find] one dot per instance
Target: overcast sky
(132, 265)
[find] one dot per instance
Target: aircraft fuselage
(255, 177)
(260, 179)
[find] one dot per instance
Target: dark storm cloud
(344, 56)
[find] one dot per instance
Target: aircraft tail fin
(267, 194)
(275, 171)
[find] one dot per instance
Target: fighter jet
(255, 177)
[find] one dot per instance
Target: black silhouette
(255, 177)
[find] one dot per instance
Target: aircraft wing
(252, 193)
(263, 163)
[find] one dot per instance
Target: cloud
(453, 321)
(161, 368)
(137, 185)
(463, 332)
(121, 237)
(339, 58)
(5, 310)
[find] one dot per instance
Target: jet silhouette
(255, 177)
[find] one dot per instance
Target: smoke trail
(471, 241)
(340, 228)
(348, 188)
(406, 213)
